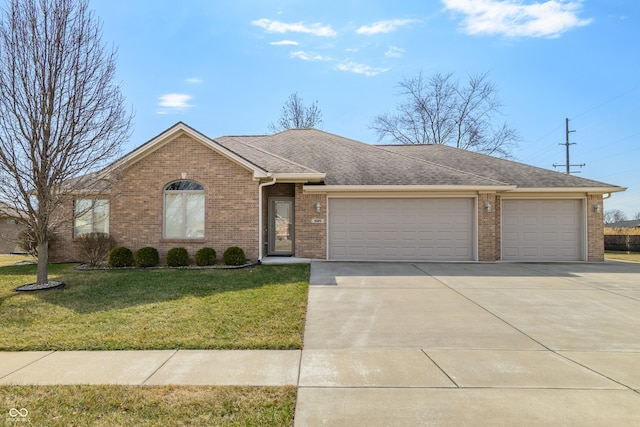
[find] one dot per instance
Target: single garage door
(542, 230)
(401, 229)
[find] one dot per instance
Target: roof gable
(179, 129)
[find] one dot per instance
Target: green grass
(6, 260)
(623, 256)
(255, 308)
(148, 405)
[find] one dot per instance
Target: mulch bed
(52, 284)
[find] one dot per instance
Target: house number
(317, 221)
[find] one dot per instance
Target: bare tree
(440, 110)
(637, 215)
(614, 215)
(62, 116)
(295, 115)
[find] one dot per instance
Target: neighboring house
(311, 194)
(10, 228)
(633, 223)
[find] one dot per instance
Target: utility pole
(568, 165)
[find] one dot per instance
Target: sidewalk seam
(159, 367)
(28, 364)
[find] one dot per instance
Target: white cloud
(513, 18)
(174, 103)
(309, 56)
(193, 80)
(360, 69)
(394, 52)
(384, 26)
(316, 29)
(284, 43)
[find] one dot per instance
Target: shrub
(205, 256)
(234, 256)
(177, 257)
(27, 241)
(147, 257)
(94, 247)
(120, 257)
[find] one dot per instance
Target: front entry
(281, 226)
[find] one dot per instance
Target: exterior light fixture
(487, 207)
(318, 207)
(596, 208)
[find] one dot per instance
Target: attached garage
(402, 229)
(543, 230)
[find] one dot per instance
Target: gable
(174, 134)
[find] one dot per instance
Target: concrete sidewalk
(153, 367)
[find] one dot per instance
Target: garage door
(401, 229)
(542, 230)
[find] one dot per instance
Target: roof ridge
(438, 164)
(269, 153)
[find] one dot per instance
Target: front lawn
(623, 256)
(255, 308)
(147, 405)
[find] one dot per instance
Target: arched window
(183, 210)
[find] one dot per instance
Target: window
(91, 215)
(184, 210)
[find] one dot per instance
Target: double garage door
(444, 229)
(401, 229)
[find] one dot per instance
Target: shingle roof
(633, 223)
(349, 162)
(520, 174)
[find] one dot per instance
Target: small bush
(234, 256)
(177, 257)
(120, 257)
(147, 257)
(205, 256)
(93, 248)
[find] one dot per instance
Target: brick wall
(311, 238)
(487, 232)
(231, 201)
(595, 229)
(9, 231)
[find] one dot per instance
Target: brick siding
(136, 214)
(595, 229)
(311, 238)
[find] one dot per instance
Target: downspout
(260, 231)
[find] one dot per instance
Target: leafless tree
(637, 215)
(614, 215)
(295, 115)
(440, 110)
(62, 116)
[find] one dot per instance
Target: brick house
(310, 194)
(10, 229)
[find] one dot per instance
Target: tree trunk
(43, 263)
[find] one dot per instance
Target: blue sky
(226, 67)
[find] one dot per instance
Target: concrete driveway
(471, 344)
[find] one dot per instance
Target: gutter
(260, 231)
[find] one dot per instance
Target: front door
(281, 226)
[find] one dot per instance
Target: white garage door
(542, 230)
(401, 229)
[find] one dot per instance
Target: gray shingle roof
(520, 174)
(349, 162)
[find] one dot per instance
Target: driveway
(471, 344)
